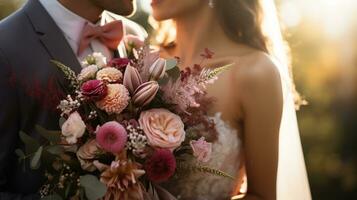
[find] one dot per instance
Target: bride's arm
(260, 98)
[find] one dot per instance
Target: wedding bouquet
(126, 125)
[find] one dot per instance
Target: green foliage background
(325, 73)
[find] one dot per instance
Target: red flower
(160, 166)
(208, 54)
(94, 90)
(119, 63)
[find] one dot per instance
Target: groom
(29, 84)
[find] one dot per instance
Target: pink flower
(162, 128)
(160, 166)
(112, 137)
(133, 41)
(109, 74)
(94, 90)
(207, 54)
(157, 70)
(116, 100)
(119, 63)
(145, 93)
(121, 179)
(201, 149)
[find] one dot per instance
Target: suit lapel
(51, 36)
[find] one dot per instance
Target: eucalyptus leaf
(36, 159)
(51, 136)
(62, 120)
(20, 153)
(68, 189)
(31, 145)
(170, 64)
(94, 189)
(55, 150)
(52, 197)
(174, 73)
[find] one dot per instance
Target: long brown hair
(241, 21)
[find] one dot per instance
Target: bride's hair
(241, 21)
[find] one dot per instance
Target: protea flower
(145, 93)
(157, 69)
(132, 79)
(121, 179)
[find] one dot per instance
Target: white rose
(73, 128)
(100, 59)
(88, 72)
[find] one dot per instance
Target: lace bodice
(225, 157)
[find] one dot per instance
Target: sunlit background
(323, 38)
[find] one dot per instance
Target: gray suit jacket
(29, 89)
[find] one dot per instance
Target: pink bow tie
(109, 34)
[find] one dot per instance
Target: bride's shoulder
(256, 71)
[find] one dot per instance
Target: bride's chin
(160, 16)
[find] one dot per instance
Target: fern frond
(205, 169)
(212, 171)
(211, 74)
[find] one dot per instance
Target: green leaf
(61, 121)
(68, 189)
(94, 189)
(170, 64)
(31, 145)
(20, 153)
(52, 197)
(35, 161)
(51, 136)
(174, 73)
(55, 150)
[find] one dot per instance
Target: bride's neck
(195, 32)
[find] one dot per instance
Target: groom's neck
(83, 8)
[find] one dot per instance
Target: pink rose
(163, 128)
(94, 90)
(201, 149)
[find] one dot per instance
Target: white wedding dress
(225, 157)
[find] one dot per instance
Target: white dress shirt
(72, 25)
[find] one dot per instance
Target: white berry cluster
(92, 115)
(137, 140)
(68, 105)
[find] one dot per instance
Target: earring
(211, 3)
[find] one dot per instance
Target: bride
(258, 139)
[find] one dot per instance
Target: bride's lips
(155, 2)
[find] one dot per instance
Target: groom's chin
(119, 7)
